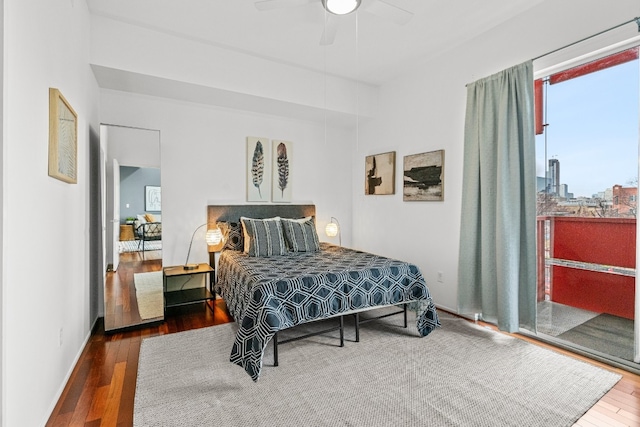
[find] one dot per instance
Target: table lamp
(213, 237)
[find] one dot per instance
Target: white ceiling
(376, 52)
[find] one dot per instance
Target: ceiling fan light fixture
(341, 7)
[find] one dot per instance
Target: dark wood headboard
(217, 213)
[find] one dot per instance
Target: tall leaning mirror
(133, 229)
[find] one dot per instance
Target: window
(587, 127)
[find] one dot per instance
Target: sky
(593, 129)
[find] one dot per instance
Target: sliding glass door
(587, 190)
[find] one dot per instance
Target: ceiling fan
(336, 8)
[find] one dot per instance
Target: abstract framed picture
(63, 138)
(281, 191)
(258, 169)
(423, 177)
(380, 172)
(152, 198)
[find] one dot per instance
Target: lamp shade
(341, 7)
(214, 237)
(331, 229)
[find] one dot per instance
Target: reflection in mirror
(133, 283)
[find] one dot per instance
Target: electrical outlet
(440, 279)
(60, 338)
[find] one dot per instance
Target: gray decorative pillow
(301, 235)
(232, 235)
(265, 237)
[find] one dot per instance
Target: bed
(269, 293)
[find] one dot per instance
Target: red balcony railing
(588, 263)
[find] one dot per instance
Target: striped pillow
(265, 237)
(301, 235)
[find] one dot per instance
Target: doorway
(587, 189)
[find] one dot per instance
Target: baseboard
(58, 395)
(447, 309)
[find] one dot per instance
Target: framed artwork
(423, 177)
(380, 172)
(258, 169)
(63, 138)
(152, 198)
(281, 191)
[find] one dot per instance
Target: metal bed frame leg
(212, 283)
(275, 349)
(405, 315)
(275, 338)
(404, 312)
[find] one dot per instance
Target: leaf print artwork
(283, 167)
(257, 169)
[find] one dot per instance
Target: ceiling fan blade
(278, 4)
(388, 11)
(330, 30)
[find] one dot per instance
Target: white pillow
(141, 219)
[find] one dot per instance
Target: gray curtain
(497, 270)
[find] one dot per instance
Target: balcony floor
(555, 319)
(601, 333)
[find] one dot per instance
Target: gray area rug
(459, 375)
(605, 333)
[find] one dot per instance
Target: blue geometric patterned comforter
(269, 294)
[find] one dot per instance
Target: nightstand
(126, 232)
(188, 296)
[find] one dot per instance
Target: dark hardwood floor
(100, 391)
(121, 307)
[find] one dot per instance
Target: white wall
(162, 64)
(133, 146)
(203, 158)
(424, 111)
(46, 257)
(2, 182)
